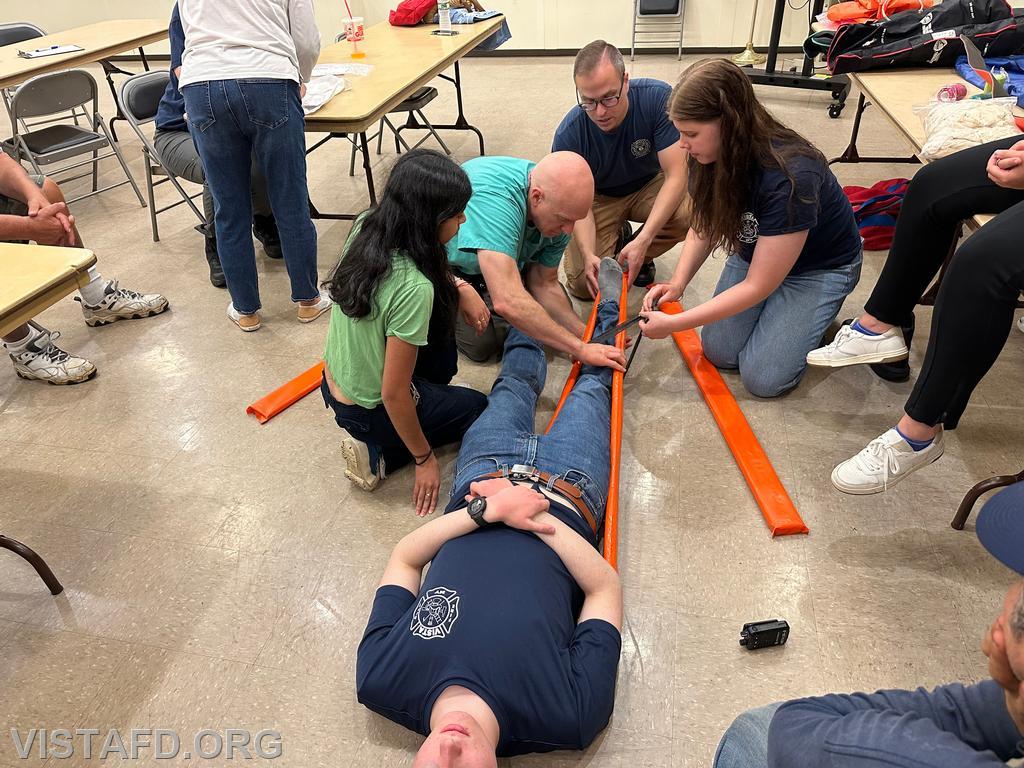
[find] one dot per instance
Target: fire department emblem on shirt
(436, 612)
(640, 148)
(748, 228)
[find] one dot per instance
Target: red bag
(409, 13)
(876, 209)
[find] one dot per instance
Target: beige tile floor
(219, 573)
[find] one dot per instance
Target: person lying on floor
(511, 642)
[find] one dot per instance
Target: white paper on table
(320, 90)
(342, 69)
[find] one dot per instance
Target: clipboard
(52, 50)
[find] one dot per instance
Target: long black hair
(425, 188)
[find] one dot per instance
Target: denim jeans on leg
(233, 121)
(769, 342)
(577, 448)
(745, 742)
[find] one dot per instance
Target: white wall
(535, 24)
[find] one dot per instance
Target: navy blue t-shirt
(626, 159)
(496, 614)
(170, 115)
(817, 204)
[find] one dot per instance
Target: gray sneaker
(42, 360)
(121, 304)
(609, 279)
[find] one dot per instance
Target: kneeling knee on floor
(767, 384)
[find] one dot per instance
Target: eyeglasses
(589, 105)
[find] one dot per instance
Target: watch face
(477, 506)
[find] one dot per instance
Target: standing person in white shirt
(242, 76)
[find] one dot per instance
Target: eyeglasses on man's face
(589, 105)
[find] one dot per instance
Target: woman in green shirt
(390, 351)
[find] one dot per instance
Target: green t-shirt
(354, 352)
(496, 218)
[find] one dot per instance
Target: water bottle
(444, 16)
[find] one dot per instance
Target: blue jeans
(578, 447)
(769, 342)
(745, 743)
(233, 121)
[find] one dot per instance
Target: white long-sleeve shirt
(240, 39)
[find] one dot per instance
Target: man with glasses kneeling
(622, 129)
(510, 643)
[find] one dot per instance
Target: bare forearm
(16, 228)
(524, 312)
(665, 204)
(15, 182)
(418, 548)
(402, 412)
(585, 235)
(695, 252)
(558, 306)
(590, 571)
(728, 303)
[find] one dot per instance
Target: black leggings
(974, 308)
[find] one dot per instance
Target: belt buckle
(523, 472)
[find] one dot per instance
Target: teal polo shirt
(496, 218)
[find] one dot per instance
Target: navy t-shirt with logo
(496, 614)
(817, 204)
(626, 159)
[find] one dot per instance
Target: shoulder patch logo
(640, 148)
(748, 228)
(435, 614)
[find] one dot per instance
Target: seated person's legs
(940, 196)
(973, 316)
(610, 214)
(745, 743)
(31, 346)
(670, 235)
(481, 346)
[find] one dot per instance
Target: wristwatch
(476, 510)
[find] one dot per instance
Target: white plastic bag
(952, 126)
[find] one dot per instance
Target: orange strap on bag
(288, 394)
(779, 512)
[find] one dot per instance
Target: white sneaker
(42, 360)
(1020, 323)
(312, 312)
(359, 467)
(886, 460)
(851, 347)
(121, 304)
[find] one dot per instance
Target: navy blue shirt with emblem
(170, 114)
(623, 161)
(815, 203)
(496, 614)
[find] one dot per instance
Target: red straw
(349, 10)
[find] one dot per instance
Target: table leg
(145, 61)
(461, 123)
(364, 145)
(852, 155)
(35, 561)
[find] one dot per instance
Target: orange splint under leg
(776, 506)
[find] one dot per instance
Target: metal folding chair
(413, 107)
(139, 99)
(53, 94)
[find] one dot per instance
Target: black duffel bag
(927, 37)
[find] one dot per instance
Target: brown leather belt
(568, 491)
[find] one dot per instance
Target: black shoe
(899, 370)
(216, 271)
(645, 277)
(625, 235)
(264, 228)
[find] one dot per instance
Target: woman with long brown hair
(765, 194)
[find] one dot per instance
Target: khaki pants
(609, 215)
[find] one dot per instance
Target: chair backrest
(18, 32)
(54, 93)
(140, 95)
